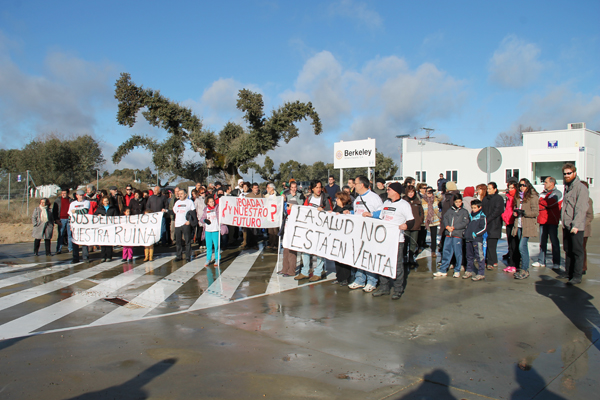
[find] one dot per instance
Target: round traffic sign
(495, 159)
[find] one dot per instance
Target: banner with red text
(251, 213)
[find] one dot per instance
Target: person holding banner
(183, 226)
(108, 210)
(212, 230)
(321, 201)
(397, 211)
(343, 272)
(366, 203)
(79, 206)
(292, 198)
(273, 232)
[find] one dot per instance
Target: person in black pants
(493, 207)
(107, 210)
(343, 202)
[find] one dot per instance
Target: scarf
(430, 210)
(44, 214)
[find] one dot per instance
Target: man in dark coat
(493, 207)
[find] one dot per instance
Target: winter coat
(338, 209)
(435, 210)
(477, 227)
(507, 215)
(117, 201)
(42, 230)
(111, 212)
(417, 211)
(529, 223)
(137, 206)
(157, 203)
(458, 218)
(575, 205)
(589, 217)
(447, 201)
(493, 206)
(550, 207)
(223, 228)
(56, 208)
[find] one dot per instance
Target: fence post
(9, 191)
(27, 192)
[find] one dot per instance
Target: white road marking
(35, 320)
(223, 288)
(154, 295)
(13, 280)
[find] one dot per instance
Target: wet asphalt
(445, 339)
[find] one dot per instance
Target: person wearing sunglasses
(574, 209)
(525, 225)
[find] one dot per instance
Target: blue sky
(469, 69)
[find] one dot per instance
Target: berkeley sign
(354, 154)
(366, 243)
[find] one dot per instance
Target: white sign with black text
(354, 154)
(369, 244)
(126, 230)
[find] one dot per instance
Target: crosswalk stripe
(29, 323)
(33, 275)
(17, 267)
(149, 299)
(224, 286)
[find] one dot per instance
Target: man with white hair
(273, 232)
(182, 224)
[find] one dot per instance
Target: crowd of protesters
(463, 228)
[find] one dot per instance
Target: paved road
(168, 329)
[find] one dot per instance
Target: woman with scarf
(525, 225)
(212, 230)
(43, 226)
(107, 210)
(431, 219)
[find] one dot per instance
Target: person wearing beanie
(468, 196)
(396, 211)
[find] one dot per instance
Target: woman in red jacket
(509, 220)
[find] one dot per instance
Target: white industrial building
(542, 154)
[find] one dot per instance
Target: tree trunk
(231, 175)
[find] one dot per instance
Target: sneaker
(522, 274)
(509, 269)
(440, 273)
(537, 264)
(574, 281)
(344, 283)
(300, 277)
(369, 288)
(467, 275)
(355, 285)
(478, 278)
(456, 275)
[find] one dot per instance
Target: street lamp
(401, 152)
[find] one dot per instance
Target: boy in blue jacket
(474, 238)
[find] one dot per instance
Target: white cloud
(65, 97)
(558, 107)
(358, 11)
(515, 64)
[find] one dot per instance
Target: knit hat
(396, 187)
(469, 191)
(380, 180)
(450, 186)
(112, 188)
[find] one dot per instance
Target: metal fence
(16, 191)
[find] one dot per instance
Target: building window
(542, 170)
(512, 173)
(421, 176)
(455, 176)
(448, 175)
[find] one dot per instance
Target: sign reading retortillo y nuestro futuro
(251, 213)
(126, 230)
(367, 243)
(354, 154)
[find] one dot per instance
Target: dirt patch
(16, 233)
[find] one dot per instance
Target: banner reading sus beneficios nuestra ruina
(126, 230)
(366, 243)
(251, 213)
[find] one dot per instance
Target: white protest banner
(251, 213)
(366, 243)
(126, 230)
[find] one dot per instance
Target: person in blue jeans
(60, 212)
(455, 221)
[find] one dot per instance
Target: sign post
(489, 160)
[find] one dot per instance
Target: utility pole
(97, 179)
(9, 191)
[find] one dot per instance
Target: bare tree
(512, 139)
